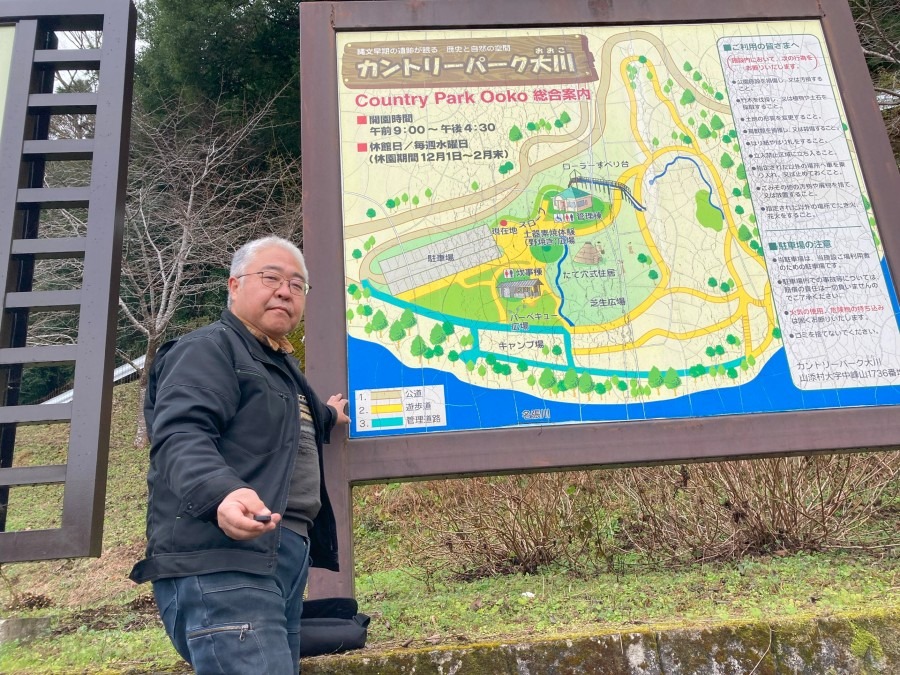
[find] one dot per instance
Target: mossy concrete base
(23, 628)
(837, 645)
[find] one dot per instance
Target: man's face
(274, 311)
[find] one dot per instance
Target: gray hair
(245, 254)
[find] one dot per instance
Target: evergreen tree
(437, 335)
(672, 380)
(547, 379)
(586, 383)
(379, 321)
(397, 332)
(418, 346)
(655, 378)
(407, 319)
(230, 51)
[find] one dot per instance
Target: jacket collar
(261, 347)
(277, 345)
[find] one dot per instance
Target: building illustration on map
(586, 224)
(520, 289)
(572, 199)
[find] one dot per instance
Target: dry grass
(590, 521)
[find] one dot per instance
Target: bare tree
(879, 29)
(198, 189)
(878, 25)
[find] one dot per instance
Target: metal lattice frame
(24, 150)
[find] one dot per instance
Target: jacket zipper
(249, 372)
(290, 399)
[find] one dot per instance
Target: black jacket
(222, 413)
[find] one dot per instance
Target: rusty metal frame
(568, 446)
(25, 149)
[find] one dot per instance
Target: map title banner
(466, 61)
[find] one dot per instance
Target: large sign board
(33, 111)
(558, 235)
(583, 224)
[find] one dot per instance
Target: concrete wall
(839, 645)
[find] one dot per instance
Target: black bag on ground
(331, 625)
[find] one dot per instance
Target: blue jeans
(234, 623)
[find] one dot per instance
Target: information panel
(7, 35)
(566, 225)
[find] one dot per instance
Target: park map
(570, 225)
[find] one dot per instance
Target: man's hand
(339, 403)
(235, 515)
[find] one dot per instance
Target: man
(237, 503)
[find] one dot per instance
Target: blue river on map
(474, 407)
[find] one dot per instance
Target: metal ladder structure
(26, 147)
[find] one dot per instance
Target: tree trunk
(141, 438)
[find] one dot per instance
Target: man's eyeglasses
(274, 280)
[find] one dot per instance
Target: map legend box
(400, 408)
